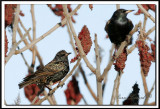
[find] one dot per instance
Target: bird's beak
(68, 54)
(128, 11)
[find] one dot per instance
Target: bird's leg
(41, 90)
(48, 87)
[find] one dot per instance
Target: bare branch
(98, 74)
(82, 54)
(15, 24)
(145, 12)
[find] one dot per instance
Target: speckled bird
(52, 72)
(119, 26)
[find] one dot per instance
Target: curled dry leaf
(86, 42)
(72, 92)
(145, 56)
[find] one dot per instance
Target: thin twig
(99, 84)
(105, 79)
(153, 103)
(26, 43)
(150, 31)
(144, 82)
(86, 82)
(61, 83)
(13, 49)
(144, 22)
(82, 54)
(34, 34)
(24, 59)
(149, 94)
(118, 6)
(145, 12)
(114, 89)
(47, 33)
(15, 24)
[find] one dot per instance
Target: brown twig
(150, 31)
(99, 84)
(24, 59)
(15, 24)
(13, 49)
(153, 103)
(82, 54)
(118, 6)
(148, 95)
(47, 33)
(34, 34)
(86, 82)
(61, 83)
(145, 12)
(26, 43)
(114, 89)
(144, 22)
(144, 82)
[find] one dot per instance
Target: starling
(119, 26)
(52, 72)
(133, 98)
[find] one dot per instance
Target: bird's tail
(25, 83)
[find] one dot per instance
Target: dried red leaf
(120, 61)
(91, 6)
(147, 7)
(9, 13)
(31, 92)
(152, 7)
(72, 92)
(86, 42)
(21, 13)
(6, 45)
(145, 56)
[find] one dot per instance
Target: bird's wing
(106, 27)
(130, 25)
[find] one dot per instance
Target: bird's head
(62, 55)
(121, 13)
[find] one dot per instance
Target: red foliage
(31, 91)
(86, 42)
(9, 13)
(147, 7)
(72, 92)
(145, 56)
(153, 47)
(6, 44)
(58, 10)
(91, 6)
(120, 61)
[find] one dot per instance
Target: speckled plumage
(54, 71)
